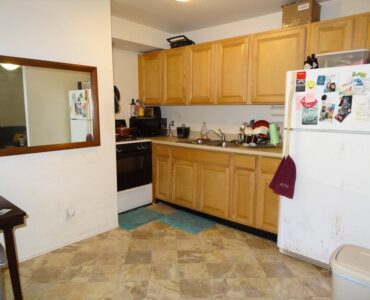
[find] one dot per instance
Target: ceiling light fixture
(182, 0)
(10, 67)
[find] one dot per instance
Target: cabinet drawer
(245, 161)
(269, 165)
(161, 150)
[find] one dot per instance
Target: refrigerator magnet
(311, 84)
(344, 108)
(300, 85)
(321, 80)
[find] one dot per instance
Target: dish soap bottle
(204, 131)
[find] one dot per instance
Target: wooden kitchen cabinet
(174, 76)
(243, 189)
(273, 54)
(225, 185)
(150, 78)
(331, 35)
(267, 202)
(232, 70)
(362, 32)
(214, 181)
(161, 172)
(201, 74)
(184, 178)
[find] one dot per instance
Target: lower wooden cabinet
(267, 202)
(184, 186)
(161, 172)
(229, 186)
(243, 192)
(214, 189)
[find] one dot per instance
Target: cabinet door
(184, 183)
(161, 172)
(200, 84)
(267, 202)
(243, 193)
(150, 78)
(214, 189)
(331, 36)
(231, 68)
(174, 76)
(362, 32)
(273, 54)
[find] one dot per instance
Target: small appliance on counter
(183, 132)
(148, 125)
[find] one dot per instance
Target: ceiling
(178, 17)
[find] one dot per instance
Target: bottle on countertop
(204, 131)
(308, 63)
(132, 108)
(315, 62)
(140, 108)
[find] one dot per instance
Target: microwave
(151, 124)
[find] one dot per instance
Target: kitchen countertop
(174, 141)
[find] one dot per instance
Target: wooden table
(7, 222)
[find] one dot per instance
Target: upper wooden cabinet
(200, 78)
(232, 70)
(174, 76)
(331, 36)
(150, 78)
(362, 32)
(273, 54)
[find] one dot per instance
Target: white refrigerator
(327, 134)
(80, 114)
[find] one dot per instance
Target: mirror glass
(46, 106)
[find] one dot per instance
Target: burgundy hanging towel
(285, 182)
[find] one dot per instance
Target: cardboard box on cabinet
(301, 12)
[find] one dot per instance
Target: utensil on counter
(183, 132)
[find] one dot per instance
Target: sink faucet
(221, 135)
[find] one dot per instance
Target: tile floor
(156, 261)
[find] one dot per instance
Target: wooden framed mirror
(47, 106)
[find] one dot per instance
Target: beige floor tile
(195, 288)
(157, 261)
(192, 271)
(189, 256)
(138, 257)
(164, 256)
(164, 271)
(276, 269)
(221, 270)
(163, 290)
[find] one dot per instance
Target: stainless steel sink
(213, 143)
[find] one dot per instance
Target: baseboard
(78, 239)
(306, 259)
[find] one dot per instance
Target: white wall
(125, 74)
(83, 180)
(136, 33)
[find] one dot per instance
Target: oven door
(134, 165)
